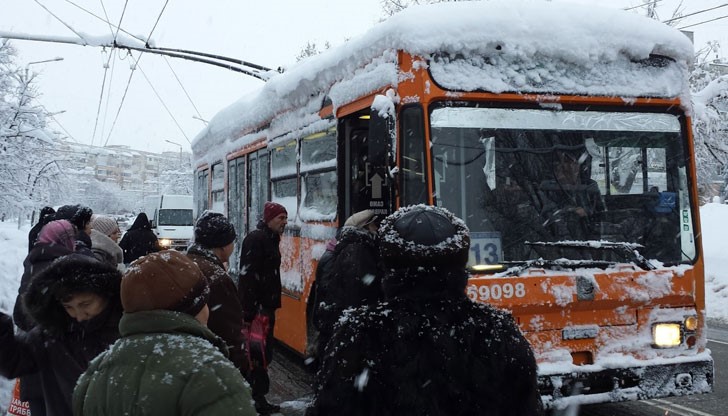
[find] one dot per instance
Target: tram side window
(318, 164)
(413, 185)
(236, 194)
(283, 177)
(218, 188)
(201, 193)
(259, 180)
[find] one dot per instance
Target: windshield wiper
(628, 251)
(558, 264)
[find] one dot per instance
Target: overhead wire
(704, 22)
(157, 22)
(123, 98)
(182, 86)
(106, 21)
(52, 117)
(694, 13)
(61, 20)
(643, 5)
(101, 97)
(108, 95)
(162, 101)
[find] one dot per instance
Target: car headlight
(165, 242)
(665, 335)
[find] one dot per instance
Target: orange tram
(475, 107)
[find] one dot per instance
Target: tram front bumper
(558, 391)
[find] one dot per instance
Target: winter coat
(354, 279)
(226, 312)
(84, 244)
(40, 257)
(58, 349)
(324, 269)
(427, 350)
(139, 240)
(260, 275)
(46, 216)
(166, 363)
(105, 249)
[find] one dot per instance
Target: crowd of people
(111, 327)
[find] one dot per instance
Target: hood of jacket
(141, 222)
(100, 241)
(167, 322)
(74, 273)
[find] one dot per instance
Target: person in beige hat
(165, 349)
(105, 233)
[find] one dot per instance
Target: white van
(172, 218)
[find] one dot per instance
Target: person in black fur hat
(76, 306)
(426, 349)
(80, 216)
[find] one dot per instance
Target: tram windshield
(542, 184)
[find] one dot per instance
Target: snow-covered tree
(311, 49)
(28, 162)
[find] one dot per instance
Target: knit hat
(214, 230)
(272, 210)
(58, 232)
(361, 219)
(105, 225)
(78, 215)
(164, 280)
(422, 235)
(67, 275)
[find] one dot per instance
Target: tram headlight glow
(691, 323)
(165, 243)
(665, 335)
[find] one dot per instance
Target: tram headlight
(165, 243)
(665, 335)
(691, 323)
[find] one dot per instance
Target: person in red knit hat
(259, 288)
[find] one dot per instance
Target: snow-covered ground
(714, 219)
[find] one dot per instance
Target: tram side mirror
(379, 182)
(381, 134)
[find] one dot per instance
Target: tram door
(352, 135)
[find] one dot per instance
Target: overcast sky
(269, 33)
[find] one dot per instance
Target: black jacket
(46, 216)
(354, 278)
(226, 312)
(427, 350)
(139, 240)
(260, 274)
(58, 348)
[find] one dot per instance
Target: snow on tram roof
(572, 34)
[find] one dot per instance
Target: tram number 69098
(496, 291)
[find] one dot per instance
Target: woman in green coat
(167, 362)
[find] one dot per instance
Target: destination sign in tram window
(485, 248)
